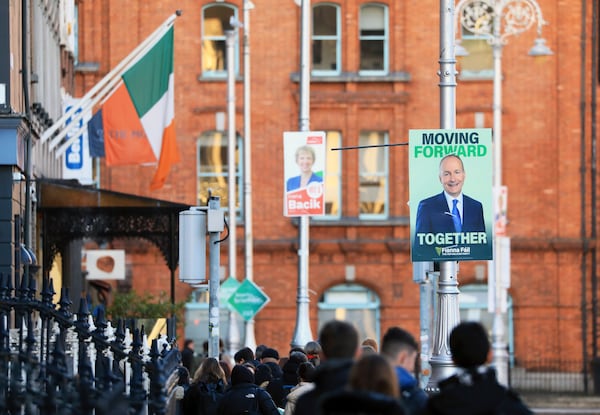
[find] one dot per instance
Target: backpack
(202, 398)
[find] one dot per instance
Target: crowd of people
(340, 375)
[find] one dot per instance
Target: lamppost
(495, 21)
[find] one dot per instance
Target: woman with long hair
(372, 389)
(206, 390)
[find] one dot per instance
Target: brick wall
(541, 157)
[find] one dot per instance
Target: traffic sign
(227, 288)
(248, 299)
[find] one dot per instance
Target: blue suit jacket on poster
(293, 183)
(433, 215)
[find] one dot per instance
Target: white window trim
(337, 37)
(220, 74)
(385, 38)
(386, 175)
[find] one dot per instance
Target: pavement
(557, 403)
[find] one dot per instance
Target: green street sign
(248, 299)
(227, 288)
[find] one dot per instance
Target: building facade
(374, 77)
(36, 74)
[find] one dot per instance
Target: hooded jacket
(331, 375)
(475, 392)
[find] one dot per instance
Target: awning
(70, 211)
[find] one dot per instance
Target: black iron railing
(53, 361)
(551, 375)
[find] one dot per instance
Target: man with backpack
(244, 397)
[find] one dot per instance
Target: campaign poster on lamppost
(451, 207)
(304, 172)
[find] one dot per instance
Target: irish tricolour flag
(135, 124)
(150, 84)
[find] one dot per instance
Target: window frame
(337, 37)
(333, 174)
(239, 171)
(218, 74)
(385, 173)
(370, 306)
(384, 38)
(467, 37)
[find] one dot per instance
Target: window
(473, 304)
(352, 303)
(213, 169)
(326, 54)
(373, 175)
(215, 21)
(479, 62)
(333, 176)
(373, 39)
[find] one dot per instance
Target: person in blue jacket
(305, 159)
(401, 348)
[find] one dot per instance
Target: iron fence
(551, 375)
(54, 361)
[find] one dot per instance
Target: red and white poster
(304, 173)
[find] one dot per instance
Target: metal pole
(302, 332)
(448, 312)
(249, 338)
(214, 204)
(231, 177)
(500, 354)
(472, 14)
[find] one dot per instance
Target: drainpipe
(594, 79)
(28, 136)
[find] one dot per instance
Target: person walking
(401, 348)
(306, 375)
(372, 390)
(244, 397)
(339, 344)
(474, 389)
(207, 389)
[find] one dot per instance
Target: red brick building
(375, 78)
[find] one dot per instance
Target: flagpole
(104, 93)
(249, 335)
(116, 72)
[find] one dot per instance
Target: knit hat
(263, 374)
(270, 353)
(241, 374)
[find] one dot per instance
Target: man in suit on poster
(450, 211)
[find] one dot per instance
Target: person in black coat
(280, 387)
(474, 389)
(339, 343)
(207, 389)
(372, 390)
(188, 356)
(244, 397)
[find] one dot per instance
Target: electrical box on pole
(192, 246)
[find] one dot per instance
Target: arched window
(215, 21)
(473, 304)
(353, 303)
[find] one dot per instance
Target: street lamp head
(540, 48)
(460, 50)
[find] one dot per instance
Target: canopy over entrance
(69, 211)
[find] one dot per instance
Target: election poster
(450, 182)
(304, 172)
